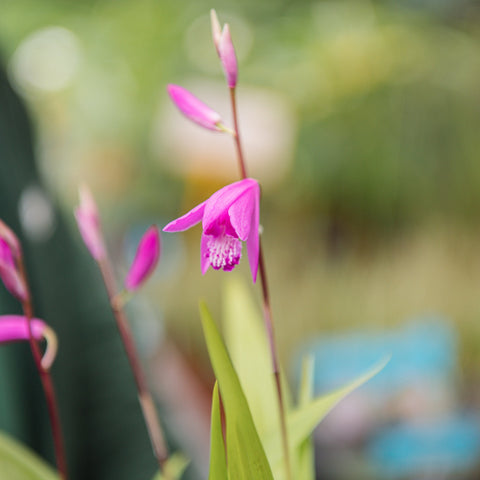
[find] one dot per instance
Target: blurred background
(360, 120)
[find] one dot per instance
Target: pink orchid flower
(146, 259)
(226, 52)
(231, 215)
(88, 221)
(9, 273)
(194, 109)
(14, 328)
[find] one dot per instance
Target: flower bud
(7, 234)
(88, 221)
(146, 259)
(228, 58)
(9, 273)
(193, 108)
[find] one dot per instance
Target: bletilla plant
(228, 217)
(26, 327)
(144, 263)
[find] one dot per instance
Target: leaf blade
(245, 453)
(19, 463)
(218, 465)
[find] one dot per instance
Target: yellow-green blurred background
(360, 119)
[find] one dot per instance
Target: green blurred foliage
(386, 94)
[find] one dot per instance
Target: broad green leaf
(17, 462)
(249, 350)
(303, 420)
(305, 454)
(218, 465)
(245, 453)
(175, 465)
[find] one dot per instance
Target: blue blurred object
(449, 445)
(407, 416)
(425, 348)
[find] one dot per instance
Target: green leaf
(302, 421)
(305, 453)
(246, 457)
(249, 350)
(218, 465)
(175, 466)
(17, 462)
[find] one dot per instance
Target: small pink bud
(9, 273)
(88, 221)
(227, 56)
(146, 259)
(14, 328)
(193, 108)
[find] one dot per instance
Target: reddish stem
(236, 136)
(47, 384)
(144, 396)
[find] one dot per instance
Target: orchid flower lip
(229, 216)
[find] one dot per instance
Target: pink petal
(204, 256)
(146, 259)
(193, 108)
(186, 221)
(217, 206)
(226, 52)
(6, 255)
(253, 241)
(15, 327)
(241, 212)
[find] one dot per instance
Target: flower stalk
(144, 396)
(43, 368)
(145, 261)
(267, 311)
